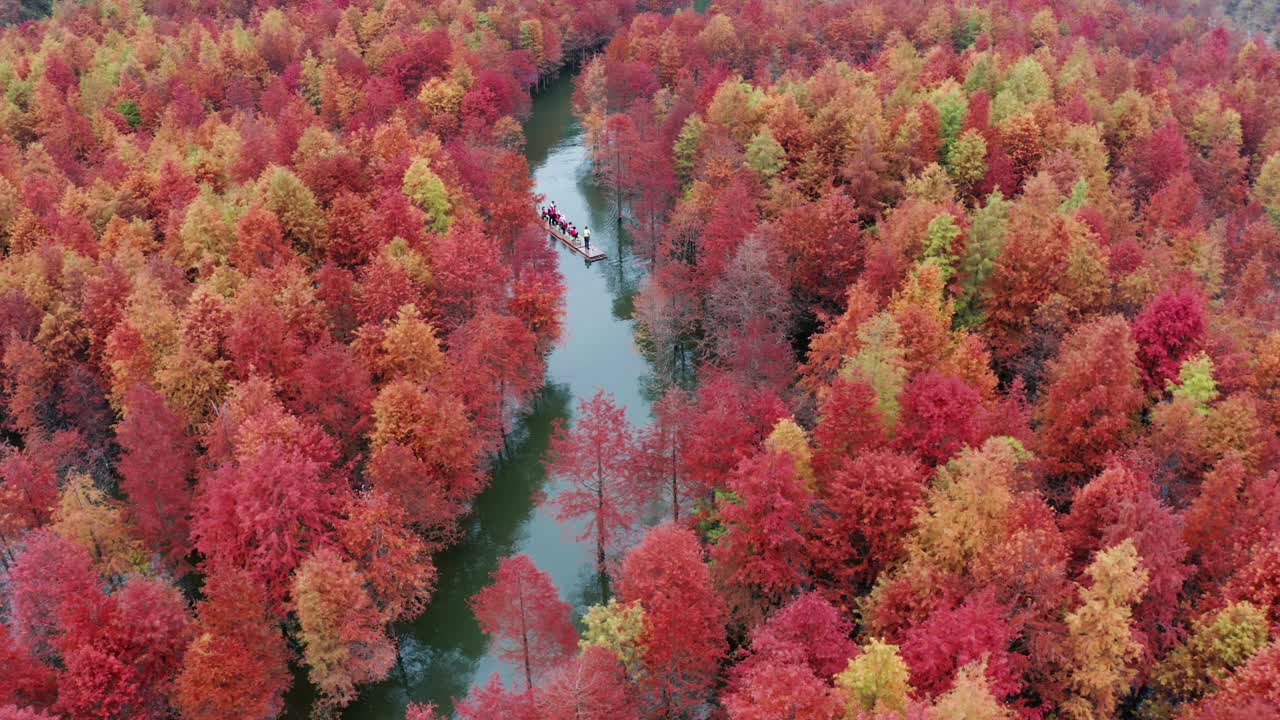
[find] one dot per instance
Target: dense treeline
(271, 293)
(981, 301)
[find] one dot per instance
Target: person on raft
(586, 237)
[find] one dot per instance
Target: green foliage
(1195, 382)
(879, 362)
(968, 28)
(939, 240)
(953, 107)
(686, 148)
(131, 112)
(875, 681)
(982, 74)
(1079, 196)
(429, 193)
(966, 158)
(765, 154)
(295, 205)
(207, 231)
(1267, 188)
(987, 229)
(1218, 644)
(1025, 84)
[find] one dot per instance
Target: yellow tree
(876, 681)
(970, 698)
(790, 438)
(87, 517)
(1101, 647)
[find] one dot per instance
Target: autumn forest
(959, 320)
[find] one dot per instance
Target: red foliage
(26, 681)
(525, 618)
(684, 640)
(1258, 580)
(867, 507)
(808, 631)
(762, 551)
(952, 637)
(659, 464)
(729, 422)
(824, 247)
(157, 459)
(237, 664)
(773, 690)
(848, 423)
(55, 598)
(1168, 330)
(940, 415)
(265, 514)
(592, 686)
(1090, 404)
(1120, 504)
(492, 701)
(596, 459)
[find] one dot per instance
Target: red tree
(773, 690)
(940, 415)
(866, 509)
(950, 638)
(728, 424)
(237, 666)
(265, 515)
(596, 458)
(1089, 407)
(392, 558)
(525, 618)
(660, 460)
(592, 686)
(26, 680)
(762, 550)
(808, 631)
(492, 701)
(684, 638)
(53, 593)
(848, 423)
(156, 462)
(1168, 330)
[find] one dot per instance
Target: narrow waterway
(443, 652)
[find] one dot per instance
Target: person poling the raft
(586, 237)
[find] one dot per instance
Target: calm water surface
(443, 653)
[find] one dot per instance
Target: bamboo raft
(591, 255)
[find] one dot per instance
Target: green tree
(765, 154)
(939, 239)
(686, 148)
(966, 159)
(1195, 382)
(618, 627)
(879, 362)
(1219, 643)
(988, 226)
(1267, 188)
(428, 192)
